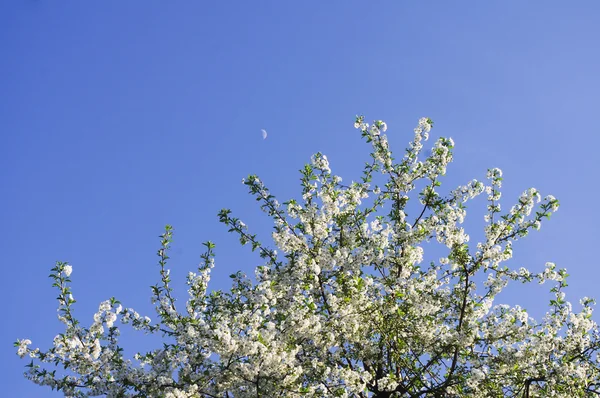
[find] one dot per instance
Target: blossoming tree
(346, 306)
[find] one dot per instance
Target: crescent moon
(264, 133)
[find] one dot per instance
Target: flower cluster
(345, 305)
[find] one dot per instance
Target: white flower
(104, 306)
(110, 319)
(23, 344)
(96, 349)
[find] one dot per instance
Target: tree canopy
(345, 304)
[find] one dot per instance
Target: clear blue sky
(118, 117)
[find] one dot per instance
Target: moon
(264, 133)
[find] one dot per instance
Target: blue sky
(120, 117)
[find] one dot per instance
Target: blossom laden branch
(346, 305)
